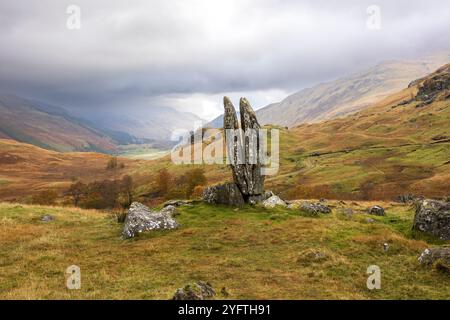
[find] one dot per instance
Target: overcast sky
(188, 54)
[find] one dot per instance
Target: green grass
(254, 253)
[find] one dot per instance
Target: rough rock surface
(246, 162)
(439, 256)
(435, 86)
(225, 194)
(197, 291)
(140, 219)
(377, 211)
(314, 208)
(273, 201)
(433, 217)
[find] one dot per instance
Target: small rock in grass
(439, 257)
(196, 291)
(177, 203)
(47, 218)
(310, 256)
(314, 208)
(377, 211)
(274, 201)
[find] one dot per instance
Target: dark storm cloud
(185, 53)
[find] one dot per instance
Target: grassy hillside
(254, 253)
(26, 169)
(399, 145)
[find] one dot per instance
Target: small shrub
(112, 163)
(46, 197)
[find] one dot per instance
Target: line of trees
(188, 185)
(105, 194)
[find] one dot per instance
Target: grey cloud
(137, 53)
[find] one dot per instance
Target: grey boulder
(377, 211)
(47, 218)
(140, 219)
(433, 217)
(273, 201)
(225, 194)
(196, 291)
(439, 256)
(314, 208)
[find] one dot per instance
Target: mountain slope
(348, 94)
(399, 145)
(48, 127)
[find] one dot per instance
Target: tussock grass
(254, 253)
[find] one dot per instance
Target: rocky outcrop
(273, 201)
(433, 217)
(196, 291)
(440, 257)
(435, 86)
(140, 219)
(243, 149)
(225, 194)
(314, 208)
(377, 211)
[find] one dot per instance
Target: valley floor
(253, 253)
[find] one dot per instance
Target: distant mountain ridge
(347, 94)
(55, 128)
(49, 127)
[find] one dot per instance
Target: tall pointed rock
(243, 149)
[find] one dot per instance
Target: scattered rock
(439, 257)
(433, 217)
(314, 208)
(197, 291)
(268, 194)
(47, 218)
(225, 194)
(370, 220)
(310, 256)
(177, 203)
(377, 211)
(273, 201)
(140, 219)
